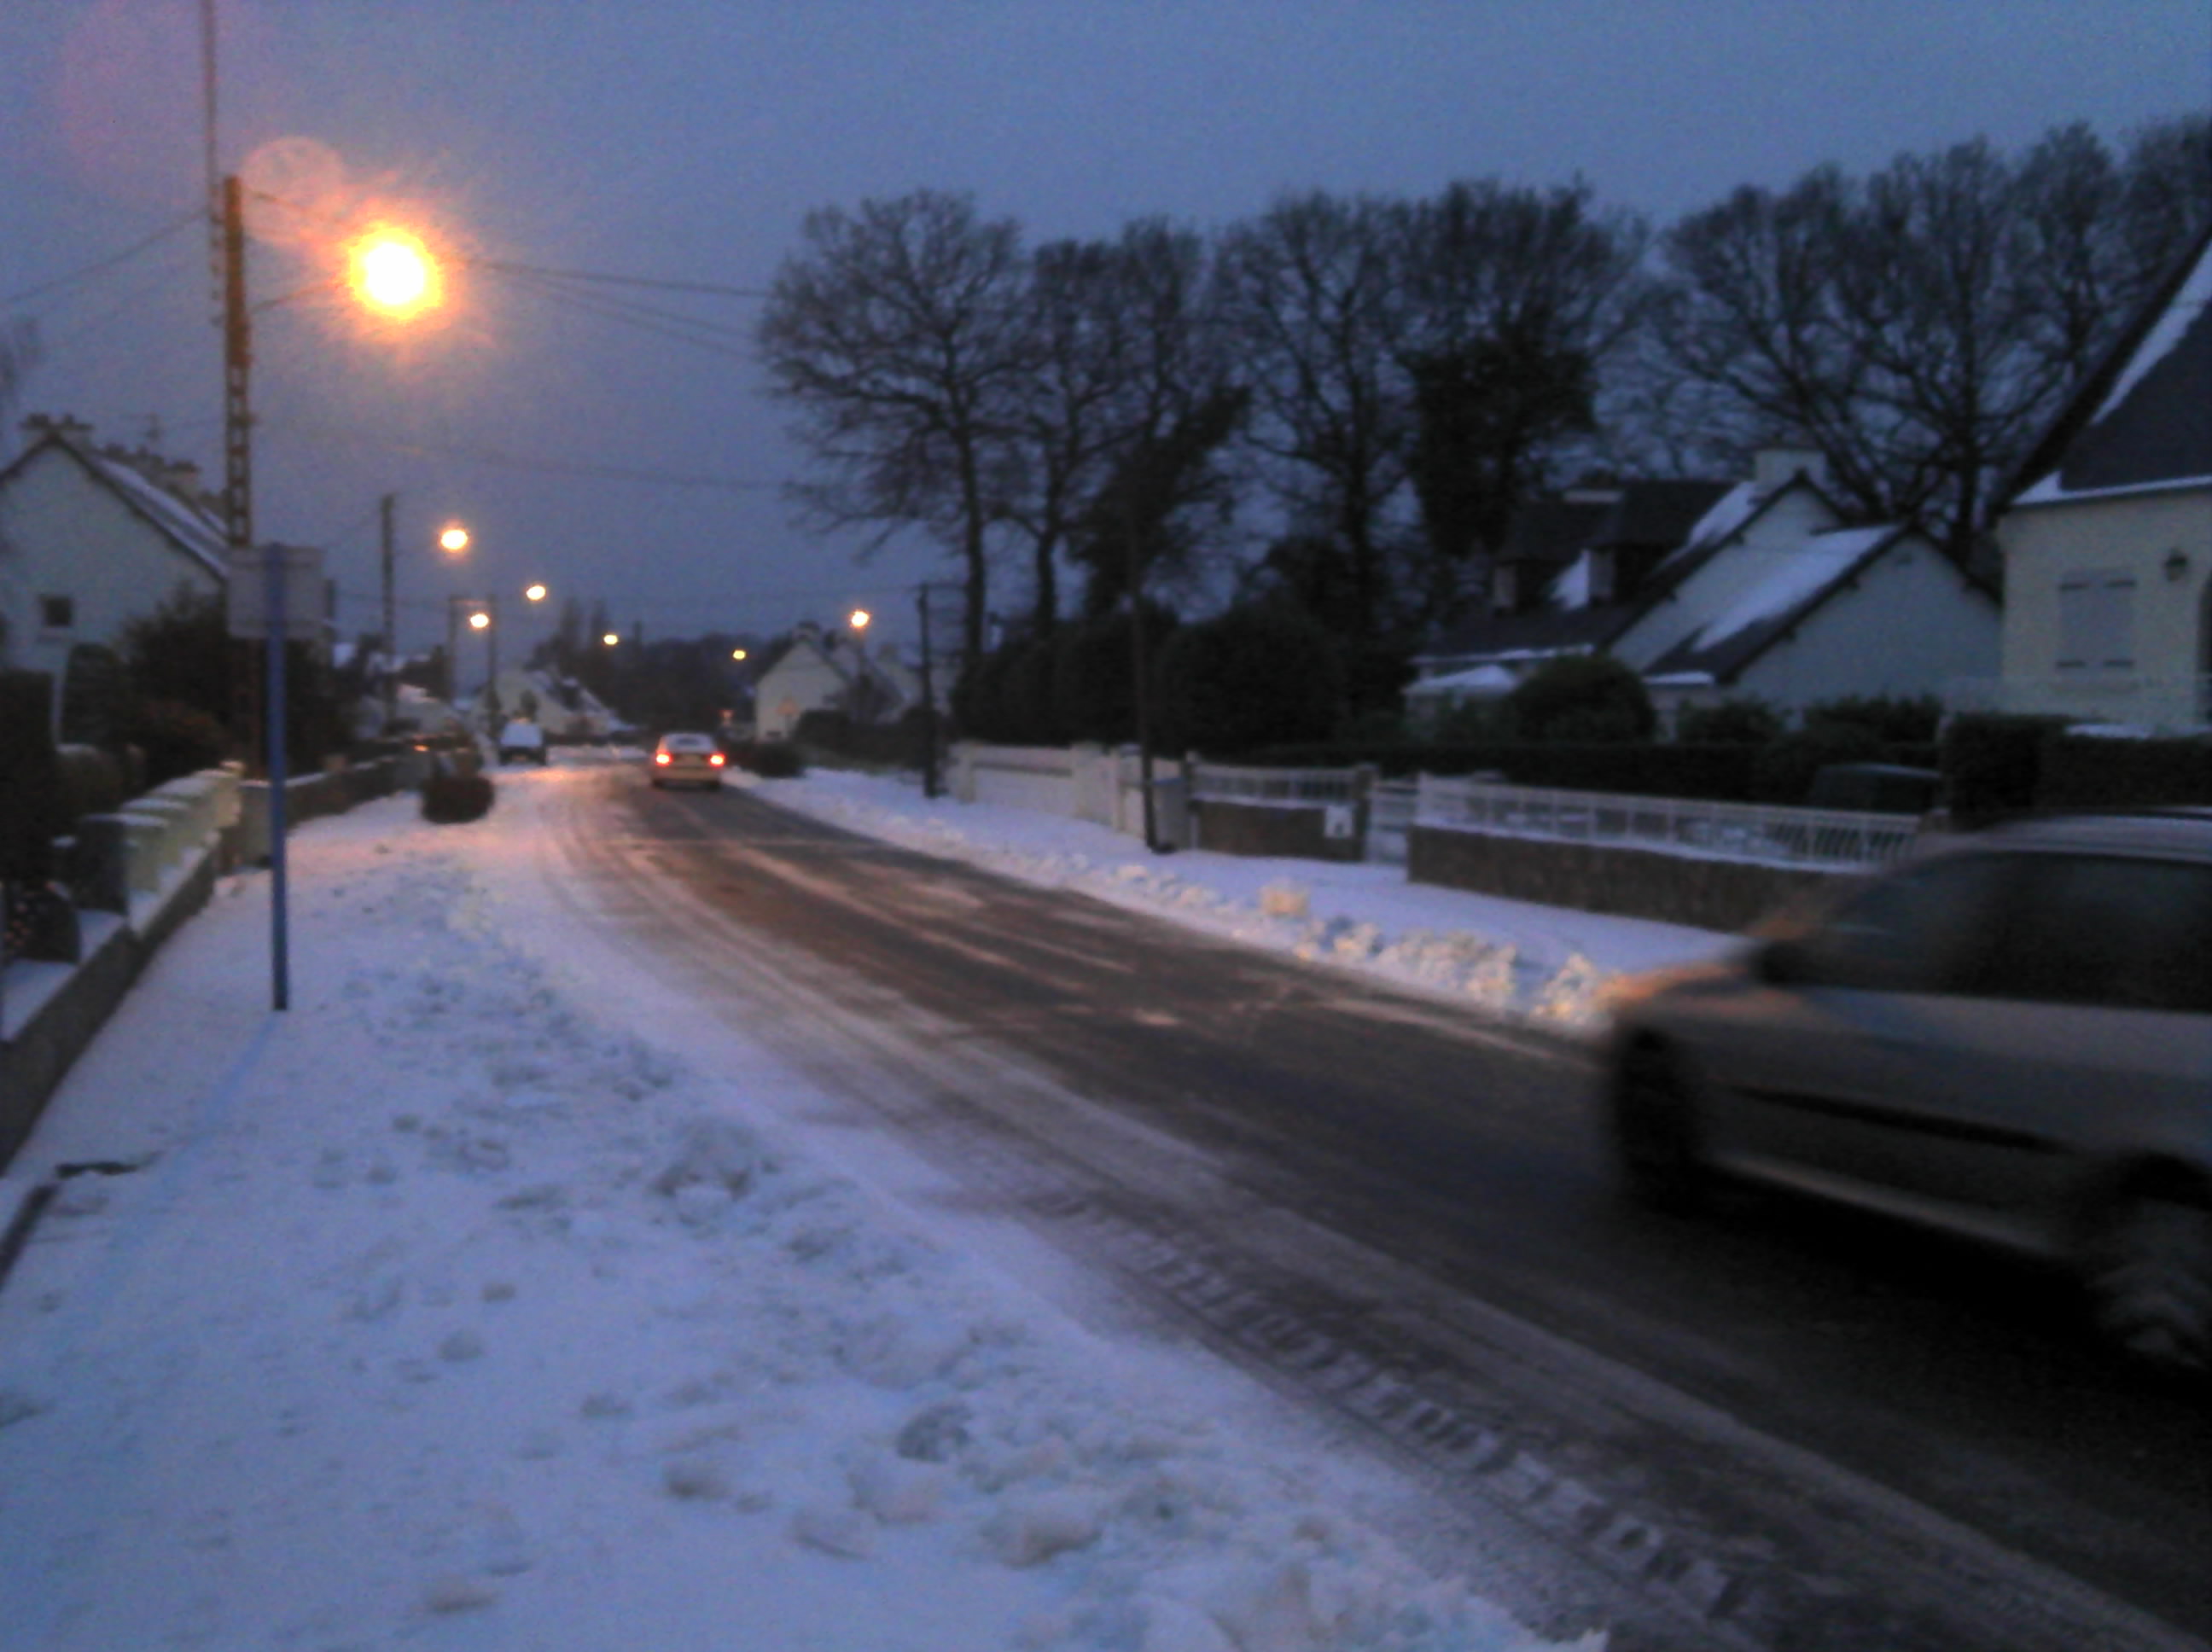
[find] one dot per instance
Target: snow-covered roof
(1790, 580)
(1476, 680)
(2151, 427)
(194, 530)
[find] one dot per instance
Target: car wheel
(2150, 1282)
(1655, 1138)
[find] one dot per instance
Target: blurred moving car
(688, 759)
(2009, 1038)
(522, 743)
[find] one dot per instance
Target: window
(1504, 588)
(2128, 934)
(1922, 929)
(2097, 620)
(58, 613)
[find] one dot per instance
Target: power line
(499, 266)
(495, 460)
(665, 323)
(102, 265)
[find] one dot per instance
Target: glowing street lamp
(390, 271)
(535, 593)
(610, 638)
(737, 653)
(860, 618)
(453, 540)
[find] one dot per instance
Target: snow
(1789, 578)
(2170, 328)
(492, 1296)
(1730, 512)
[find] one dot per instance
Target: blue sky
(685, 140)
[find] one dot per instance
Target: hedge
(2085, 771)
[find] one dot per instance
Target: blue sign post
(280, 966)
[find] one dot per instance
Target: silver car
(688, 759)
(2009, 1037)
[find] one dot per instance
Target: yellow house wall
(2137, 531)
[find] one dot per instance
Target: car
(2008, 1036)
(688, 759)
(520, 742)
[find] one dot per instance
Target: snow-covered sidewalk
(446, 1310)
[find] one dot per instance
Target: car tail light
(716, 759)
(660, 757)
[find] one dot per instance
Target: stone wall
(1631, 882)
(1275, 830)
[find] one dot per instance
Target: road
(1770, 1427)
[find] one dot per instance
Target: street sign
(303, 592)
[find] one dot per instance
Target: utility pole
(928, 703)
(391, 624)
(1139, 687)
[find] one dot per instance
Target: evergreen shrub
(2089, 771)
(1582, 698)
(1992, 763)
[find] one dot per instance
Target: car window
(2106, 930)
(1922, 929)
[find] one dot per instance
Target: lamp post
(393, 273)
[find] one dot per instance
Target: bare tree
(1515, 299)
(898, 335)
(1310, 298)
(1918, 328)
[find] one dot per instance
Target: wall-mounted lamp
(2177, 563)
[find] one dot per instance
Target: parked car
(2008, 1038)
(688, 759)
(522, 743)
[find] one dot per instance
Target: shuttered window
(2097, 620)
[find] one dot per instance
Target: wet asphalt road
(1857, 1438)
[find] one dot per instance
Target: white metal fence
(1302, 788)
(1743, 831)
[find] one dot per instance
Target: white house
(2107, 541)
(1766, 596)
(91, 537)
(564, 707)
(833, 673)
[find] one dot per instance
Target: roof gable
(190, 530)
(2144, 419)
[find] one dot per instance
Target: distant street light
(611, 638)
(535, 593)
(859, 619)
(480, 620)
(737, 653)
(454, 538)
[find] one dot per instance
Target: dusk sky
(685, 140)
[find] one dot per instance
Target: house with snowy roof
(1766, 595)
(831, 672)
(93, 536)
(2106, 537)
(1569, 574)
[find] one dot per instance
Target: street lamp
(454, 539)
(534, 592)
(384, 286)
(609, 639)
(860, 618)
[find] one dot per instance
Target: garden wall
(1630, 883)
